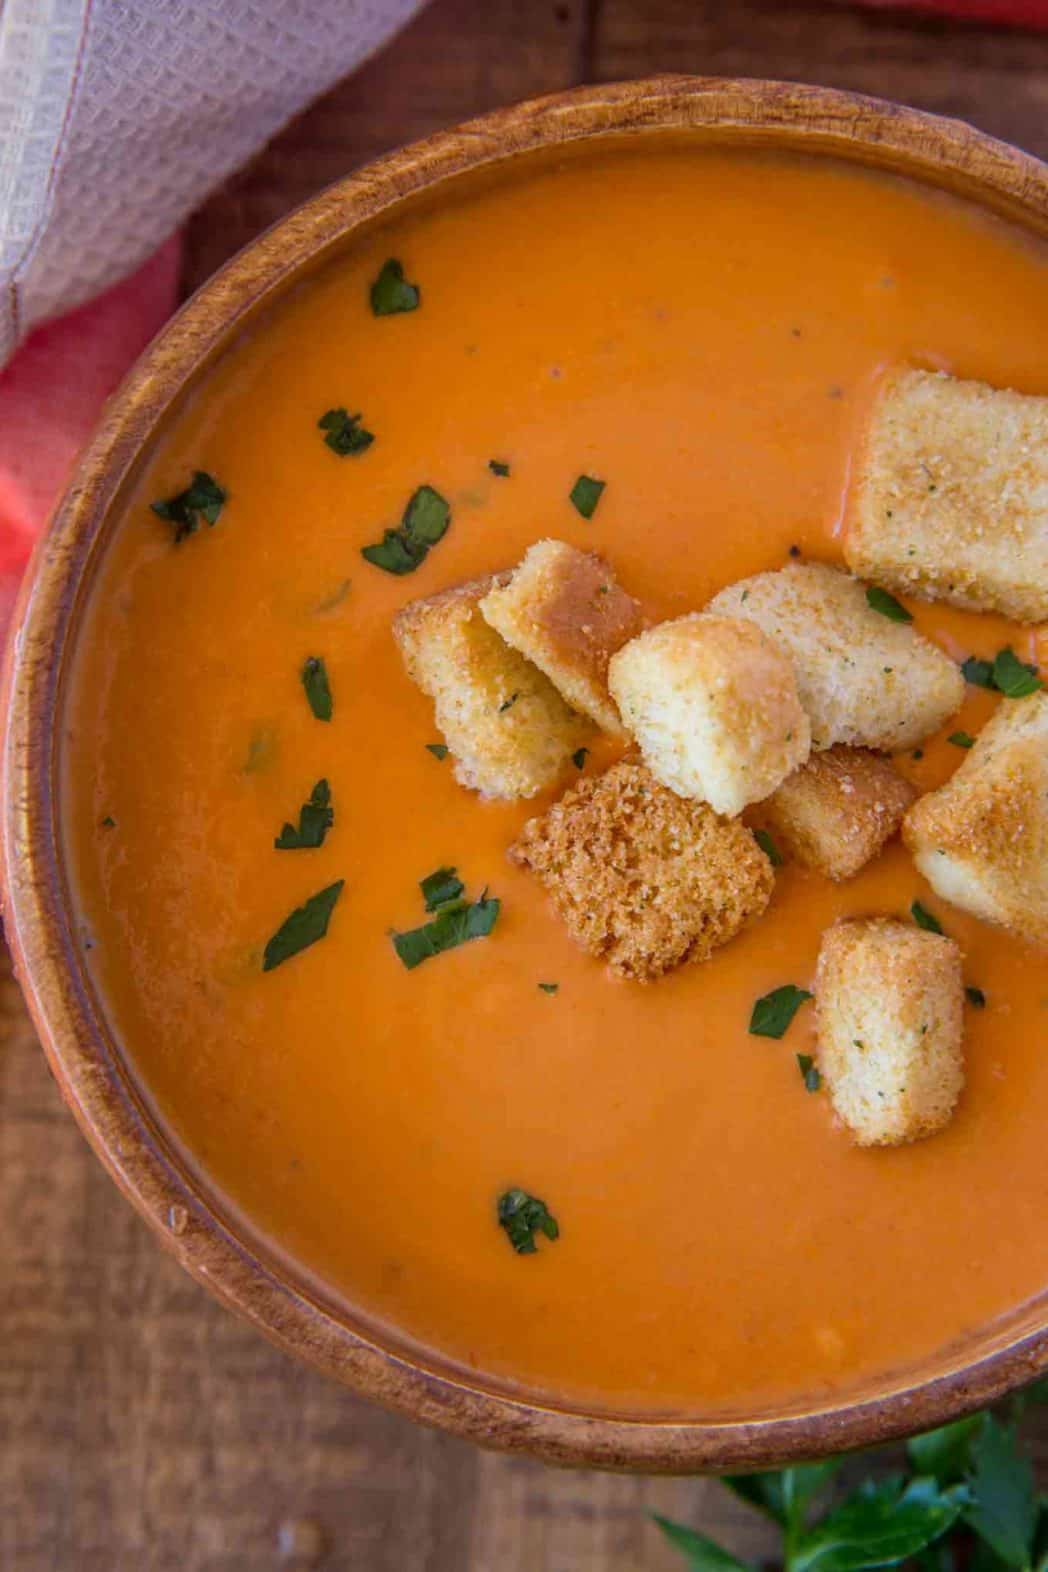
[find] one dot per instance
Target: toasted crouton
(508, 728)
(952, 495)
(713, 705)
(981, 840)
(838, 809)
(641, 878)
(862, 678)
(564, 610)
(889, 1001)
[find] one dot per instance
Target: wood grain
(141, 1427)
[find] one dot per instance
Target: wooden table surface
(143, 1429)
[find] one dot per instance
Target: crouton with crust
(641, 878)
(863, 678)
(952, 495)
(508, 728)
(889, 1010)
(836, 812)
(564, 610)
(981, 840)
(713, 705)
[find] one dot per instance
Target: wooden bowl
(98, 1085)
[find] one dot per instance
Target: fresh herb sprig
(315, 818)
(203, 499)
(1006, 674)
(424, 522)
(522, 1216)
(344, 434)
(455, 920)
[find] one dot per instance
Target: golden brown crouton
(952, 495)
(837, 811)
(890, 1004)
(862, 678)
(713, 705)
(641, 878)
(981, 840)
(564, 610)
(508, 728)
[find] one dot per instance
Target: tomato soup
(702, 330)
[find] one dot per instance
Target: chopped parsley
(773, 1012)
(523, 1216)
(507, 704)
(306, 924)
(809, 1072)
(975, 997)
(439, 750)
(961, 739)
(1006, 673)
(879, 600)
(579, 757)
(343, 432)
(315, 818)
(441, 889)
(585, 494)
(548, 987)
(497, 467)
(391, 292)
(769, 848)
(425, 521)
(203, 499)
(318, 688)
(925, 919)
(108, 823)
(978, 672)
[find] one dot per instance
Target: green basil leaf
(944, 1453)
(879, 1527)
(1004, 1507)
(315, 818)
(978, 672)
(523, 1216)
(440, 888)
(769, 848)
(426, 517)
(879, 600)
(343, 432)
(925, 919)
(395, 553)
(773, 1013)
(305, 925)
(203, 498)
(391, 292)
(705, 1555)
(318, 688)
(585, 494)
(1013, 677)
(450, 928)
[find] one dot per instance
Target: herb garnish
(523, 1216)
(343, 432)
(585, 494)
(1006, 672)
(548, 987)
(978, 672)
(315, 818)
(425, 521)
(391, 292)
(961, 739)
(975, 997)
(809, 1072)
(318, 688)
(441, 889)
(769, 848)
(306, 924)
(579, 757)
(497, 467)
(773, 1012)
(925, 919)
(203, 499)
(507, 704)
(108, 823)
(439, 750)
(879, 600)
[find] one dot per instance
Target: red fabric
(52, 391)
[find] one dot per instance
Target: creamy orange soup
(702, 331)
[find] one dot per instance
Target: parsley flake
(548, 987)
(453, 925)
(879, 600)
(441, 889)
(585, 494)
(439, 750)
(391, 292)
(769, 848)
(773, 1012)
(203, 499)
(497, 467)
(961, 739)
(1013, 677)
(306, 924)
(108, 823)
(315, 818)
(523, 1216)
(318, 688)
(975, 997)
(925, 919)
(425, 521)
(343, 432)
(809, 1072)
(978, 672)
(579, 757)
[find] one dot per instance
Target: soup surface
(702, 330)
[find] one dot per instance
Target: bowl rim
(145, 1167)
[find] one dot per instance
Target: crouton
(889, 1001)
(952, 495)
(862, 678)
(981, 840)
(837, 810)
(508, 728)
(713, 705)
(641, 878)
(564, 610)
